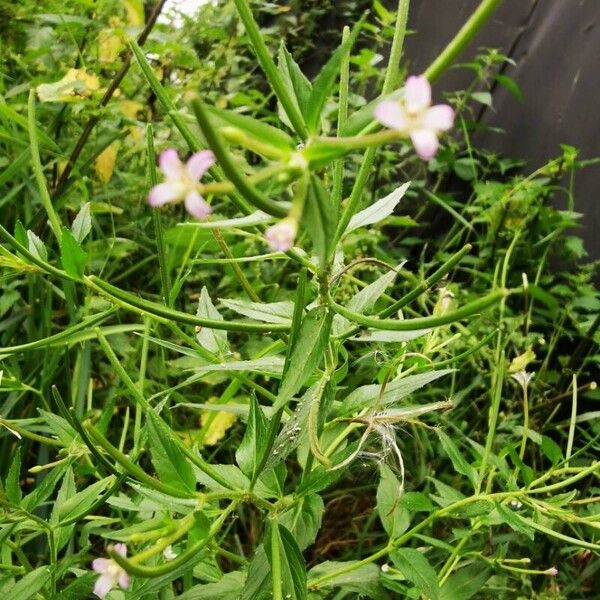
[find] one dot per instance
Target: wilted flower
(281, 236)
(552, 571)
(414, 116)
(182, 182)
(168, 553)
(523, 378)
(111, 574)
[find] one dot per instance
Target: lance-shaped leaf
(416, 568)
(379, 210)
(287, 565)
(295, 82)
(394, 391)
(319, 216)
(306, 354)
(214, 340)
(250, 452)
(325, 80)
(270, 312)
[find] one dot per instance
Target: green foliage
(401, 404)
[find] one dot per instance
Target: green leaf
(464, 584)
(319, 218)
(256, 218)
(73, 257)
(44, 487)
(251, 450)
(12, 484)
(516, 524)
(36, 246)
(304, 519)
(214, 340)
(30, 585)
(393, 515)
(273, 312)
(325, 80)
(82, 225)
(295, 81)
(484, 98)
(306, 353)
(361, 580)
(416, 568)
(466, 168)
(257, 586)
(81, 501)
(511, 85)
(551, 450)
(282, 549)
(228, 587)
(171, 465)
(458, 460)
(369, 395)
(252, 127)
(379, 210)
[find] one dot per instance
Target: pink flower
(414, 116)
(552, 571)
(111, 574)
(281, 236)
(182, 182)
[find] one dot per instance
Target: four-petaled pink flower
(414, 116)
(111, 574)
(182, 181)
(281, 236)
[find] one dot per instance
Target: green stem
(226, 162)
(467, 310)
(193, 552)
(38, 171)
(165, 278)
(268, 66)
(153, 308)
(338, 168)
(276, 562)
(466, 33)
(369, 156)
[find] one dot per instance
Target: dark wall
(556, 47)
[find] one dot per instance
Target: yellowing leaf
(130, 108)
(104, 165)
(135, 12)
(76, 85)
(109, 46)
(217, 426)
(519, 363)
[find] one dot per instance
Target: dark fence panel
(556, 45)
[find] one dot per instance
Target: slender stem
(467, 310)
(572, 422)
(369, 156)
(38, 170)
(525, 421)
(338, 168)
(276, 562)
(466, 33)
(165, 277)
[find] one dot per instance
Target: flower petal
(123, 580)
(390, 114)
(425, 142)
(417, 94)
(281, 236)
(166, 192)
(170, 164)
(121, 549)
(199, 163)
(197, 206)
(100, 564)
(439, 117)
(103, 585)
